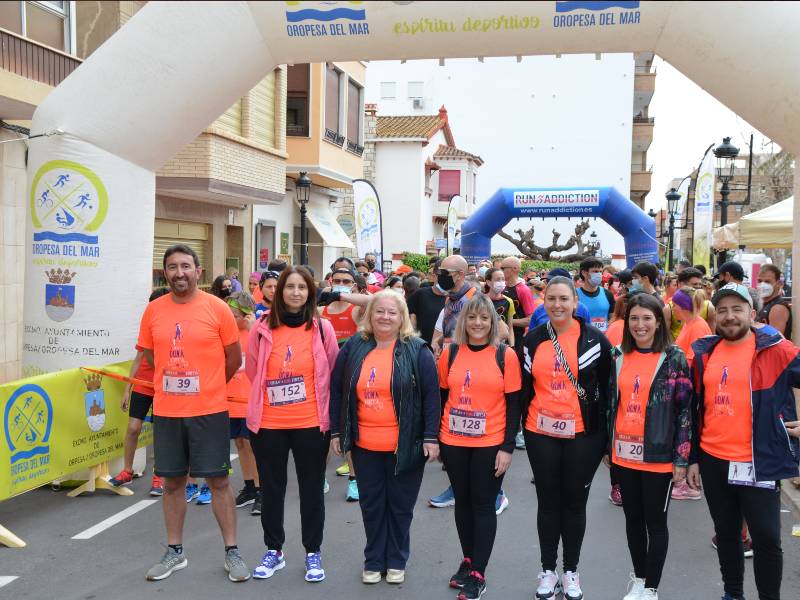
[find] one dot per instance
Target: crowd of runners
(682, 384)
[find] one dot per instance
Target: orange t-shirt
(727, 430)
(555, 409)
(239, 385)
(188, 342)
(614, 332)
(475, 411)
(635, 379)
(377, 422)
(145, 373)
(290, 398)
(343, 323)
(690, 332)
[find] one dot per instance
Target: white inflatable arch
(176, 66)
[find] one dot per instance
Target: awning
(770, 227)
(322, 219)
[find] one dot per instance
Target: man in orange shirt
(743, 400)
(191, 339)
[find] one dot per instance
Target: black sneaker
(474, 587)
(256, 510)
(460, 578)
(246, 496)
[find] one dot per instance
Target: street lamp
(726, 154)
(302, 187)
(673, 197)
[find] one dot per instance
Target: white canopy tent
(770, 227)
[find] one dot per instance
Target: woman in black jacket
(566, 371)
(385, 410)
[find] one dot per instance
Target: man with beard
(191, 339)
(743, 380)
(451, 278)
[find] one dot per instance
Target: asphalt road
(112, 564)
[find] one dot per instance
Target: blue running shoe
(501, 502)
(314, 570)
(205, 495)
(444, 499)
(352, 491)
(273, 561)
(191, 492)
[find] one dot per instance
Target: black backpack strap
(451, 356)
(500, 357)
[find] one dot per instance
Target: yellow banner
(59, 423)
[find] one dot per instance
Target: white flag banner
(369, 229)
(452, 222)
(704, 211)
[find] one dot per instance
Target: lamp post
(673, 197)
(653, 214)
(302, 187)
(726, 154)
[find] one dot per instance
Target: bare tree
(527, 246)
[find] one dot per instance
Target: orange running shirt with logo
(727, 430)
(377, 421)
(475, 411)
(614, 332)
(343, 323)
(635, 379)
(145, 373)
(239, 385)
(188, 342)
(555, 409)
(690, 332)
(290, 398)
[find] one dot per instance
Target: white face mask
(596, 279)
(765, 290)
(499, 286)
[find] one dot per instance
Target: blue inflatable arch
(630, 221)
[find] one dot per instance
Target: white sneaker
(650, 594)
(635, 588)
(571, 583)
(549, 586)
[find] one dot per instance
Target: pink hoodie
(258, 351)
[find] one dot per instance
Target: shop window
(298, 78)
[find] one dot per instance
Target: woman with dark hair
(290, 356)
(222, 287)
(385, 411)
(649, 432)
(567, 366)
(395, 284)
(267, 284)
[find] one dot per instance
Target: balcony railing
(644, 69)
(641, 168)
(644, 120)
(355, 148)
(297, 130)
(33, 61)
(334, 137)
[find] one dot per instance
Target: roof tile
(453, 152)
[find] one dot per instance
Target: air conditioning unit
(419, 103)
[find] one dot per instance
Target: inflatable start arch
(176, 66)
(637, 229)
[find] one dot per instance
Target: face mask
(440, 288)
(498, 286)
(342, 289)
(636, 285)
(371, 264)
(596, 279)
(482, 271)
(446, 281)
(225, 292)
(765, 290)
(399, 291)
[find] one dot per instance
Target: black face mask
(445, 281)
(371, 264)
(225, 292)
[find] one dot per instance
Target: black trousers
(309, 449)
(645, 500)
(475, 487)
(387, 507)
(563, 469)
(761, 508)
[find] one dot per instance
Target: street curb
(792, 496)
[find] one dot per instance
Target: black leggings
(645, 500)
(471, 473)
(761, 508)
(309, 449)
(563, 470)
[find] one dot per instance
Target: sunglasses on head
(269, 275)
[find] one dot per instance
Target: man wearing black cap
(729, 272)
(743, 399)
